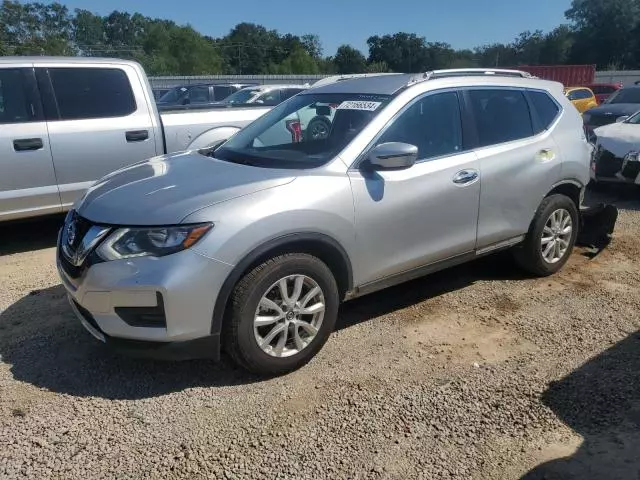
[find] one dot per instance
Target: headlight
(632, 157)
(153, 242)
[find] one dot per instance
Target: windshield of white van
(305, 131)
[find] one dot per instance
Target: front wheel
(551, 237)
(282, 313)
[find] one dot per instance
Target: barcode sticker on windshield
(359, 105)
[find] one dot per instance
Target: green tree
(604, 31)
(349, 60)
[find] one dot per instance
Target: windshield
(305, 131)
(634, 119)
(627, 95)
(242, 96)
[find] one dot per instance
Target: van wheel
(551, 237)
(281, 314)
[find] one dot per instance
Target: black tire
(529, 255)
(238, 330)
(315, 122)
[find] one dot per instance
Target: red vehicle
(603, 91)
(568, 75)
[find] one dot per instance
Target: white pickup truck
(66, 122)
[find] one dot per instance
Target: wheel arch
(569, 188)
(320, 245)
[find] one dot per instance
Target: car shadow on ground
(601, 402)
(46, 346)
(29, 235)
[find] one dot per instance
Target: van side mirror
(393, 156)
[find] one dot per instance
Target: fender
(245, 263)
(212, 136)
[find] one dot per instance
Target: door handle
(465, 177)
(25, 144)
(137, 135)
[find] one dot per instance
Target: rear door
(27, 178)
(519, 160)
(99, 120)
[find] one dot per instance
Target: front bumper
(161, 307)
(606, 167)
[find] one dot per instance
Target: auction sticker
(359, 105)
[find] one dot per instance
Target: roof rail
(338, 78)
(467, 72)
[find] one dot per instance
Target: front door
(27, 178)
(427, 213)
(100, 123)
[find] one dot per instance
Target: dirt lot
(476, 372)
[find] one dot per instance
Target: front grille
(607, 164)
(82, 229)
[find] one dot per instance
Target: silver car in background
(252, 245)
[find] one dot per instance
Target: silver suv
(252, 245)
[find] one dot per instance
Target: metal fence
(168, 82)
(627, 77)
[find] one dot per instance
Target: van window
(433, 124)
(546, 109)
(500, 116)
(84, 93)
(14, 103)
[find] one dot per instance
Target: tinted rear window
(84, 93)
(546, 109)
(500, 115)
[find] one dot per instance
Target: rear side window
(84, 93)
(222, 92)
(199, 95)
(14, 103)
(500, 116)
(290, 92)
(546, 109)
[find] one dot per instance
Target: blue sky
(462, 23)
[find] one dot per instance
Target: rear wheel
(551, 237)
(318, 128)
(282, 313)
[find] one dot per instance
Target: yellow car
(582, 98)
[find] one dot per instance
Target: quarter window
(546, 109)
(84, 93)
(500, 116)
(14, 103)
(433, 124)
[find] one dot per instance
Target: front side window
(433, 124)
(270, 98)
(500, 116)
(276, 139)
(199, 95)
(85, 93)
(242, 96)
(14, 103)
(220, 92)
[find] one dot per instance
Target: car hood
(617, 109)
(164, 190)
(619, 138)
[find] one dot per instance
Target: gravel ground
(476, 372)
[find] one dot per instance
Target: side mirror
(622, 118)
(393, 156)
(323, 110)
